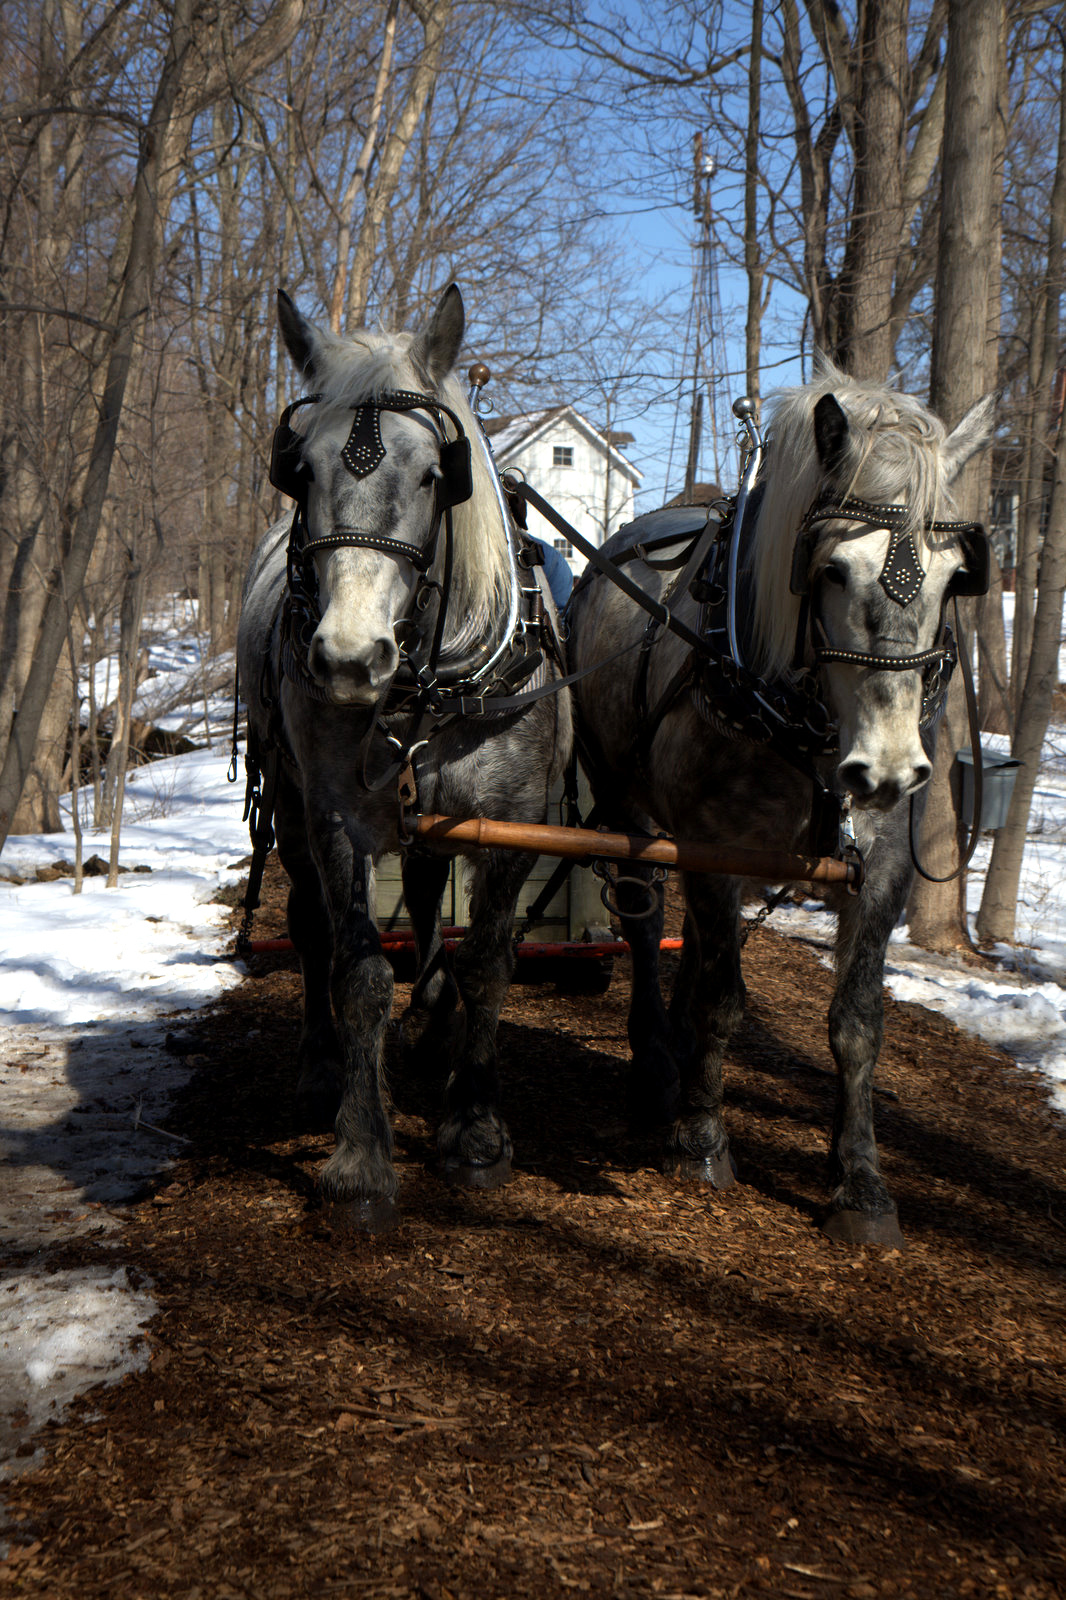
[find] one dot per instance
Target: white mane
(895, 456)
(366, 365)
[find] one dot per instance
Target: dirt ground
(600, 1379)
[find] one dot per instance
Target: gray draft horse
(843, 562)
(389, 642)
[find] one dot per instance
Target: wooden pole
(579, 844)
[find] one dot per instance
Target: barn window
(565, 546)
(562, 455)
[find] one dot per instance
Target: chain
(753, 924)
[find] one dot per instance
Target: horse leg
(473, 1139)
(319, 1059)
(861, 1210)
(431, 1013)
(707, 1004)
(359, 1175)
(654, 1084)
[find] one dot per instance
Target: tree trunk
(136, 296)
(394, 148)
(753, 264)
(996, 917)
(994, 711)
(959, 376)
(864, 345)
(129, 644)
(38, 807)
(993, 684)
(119, 754)
(357, 183)
(1031, 500)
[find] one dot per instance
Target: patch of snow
(62, 1333)
(152, 944)
(85, 981)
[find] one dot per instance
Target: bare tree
(962, 366)
(876, 90)
(753, 256)
(154, 180)
(996, 916)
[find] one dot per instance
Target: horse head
(873, 567)
(373, 467)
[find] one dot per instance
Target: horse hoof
(719, 1171)
(359, 1216)
(478, 1174)
(859, 1227)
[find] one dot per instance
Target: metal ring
(612, 882)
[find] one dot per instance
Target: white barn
(580, 470)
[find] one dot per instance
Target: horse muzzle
(354, 677)
(877, 786)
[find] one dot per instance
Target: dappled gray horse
(392, 643)
(826, 661)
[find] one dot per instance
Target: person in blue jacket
(556, 567)
(557, 571)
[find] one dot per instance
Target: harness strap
(604, 565)
(259, 812)
(478, 705)
(356, 539)
(978, 775)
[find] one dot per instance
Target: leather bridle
(901, 577)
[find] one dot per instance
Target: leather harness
(788, 716)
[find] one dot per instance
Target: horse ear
(831, 430)
(972, 434)
(300, 336)
(436, 347)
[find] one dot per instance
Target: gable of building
(559, 429)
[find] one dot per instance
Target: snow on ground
(148, 945)
(86, 981)
(60, 1334)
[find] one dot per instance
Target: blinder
(365, 450)
(457, 475)
(901, 578)
(976, 575)
(289, 472)
(901, 575)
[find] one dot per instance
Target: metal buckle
(848, 846)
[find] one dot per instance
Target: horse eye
(834, 576)
(430, 476)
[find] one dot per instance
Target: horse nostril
(384, 659)
(316, 659)
(922, 773)
(855, 778)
